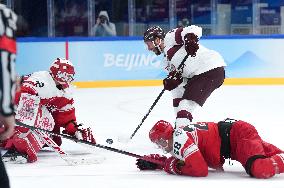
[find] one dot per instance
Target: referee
(8, 27)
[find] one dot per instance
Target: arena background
(248, 34)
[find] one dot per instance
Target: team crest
(178, 132)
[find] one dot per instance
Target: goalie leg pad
(27, 143)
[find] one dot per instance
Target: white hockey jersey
(175, 52)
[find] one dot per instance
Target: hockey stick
(151, 108)
(157, 99)
(91, 144)
(63, 155)
(50, 143)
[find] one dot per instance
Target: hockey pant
(259, 158)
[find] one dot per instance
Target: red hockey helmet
(161, 132)
(153, 32)
(62, 71)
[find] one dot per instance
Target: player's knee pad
(259, 166)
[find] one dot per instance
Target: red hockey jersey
(198, 145)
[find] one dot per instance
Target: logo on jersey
(170, 67)
(178, 132)
(198, 126)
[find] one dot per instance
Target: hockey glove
(143, 164)
(74, 129)
(191, 44)
(173, 80)
(172, 165)
(86, 135)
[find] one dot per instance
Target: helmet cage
(62, 71)
(158, 48)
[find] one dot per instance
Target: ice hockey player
(198, 146)
(193, 81)
(45, 101)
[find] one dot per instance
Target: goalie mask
(62, 71)
(151, 34)
(161, 133)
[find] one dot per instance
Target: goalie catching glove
(76, 130)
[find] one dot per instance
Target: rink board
(121, 61)
(138, 83)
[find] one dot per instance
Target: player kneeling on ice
(45, 101)
(198, 146)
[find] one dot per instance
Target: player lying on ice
(198, 146)
(44, 100)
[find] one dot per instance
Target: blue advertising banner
(115, 60)
(108, 60)
(250, 58)
(37, 56)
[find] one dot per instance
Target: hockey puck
(109, 141)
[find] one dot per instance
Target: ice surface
(116, 112)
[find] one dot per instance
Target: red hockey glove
(86, 135)
(171, 166)
(191, 44)
(144, 164)
(173, 80)
(74, 129)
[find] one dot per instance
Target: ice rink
(116, 112)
